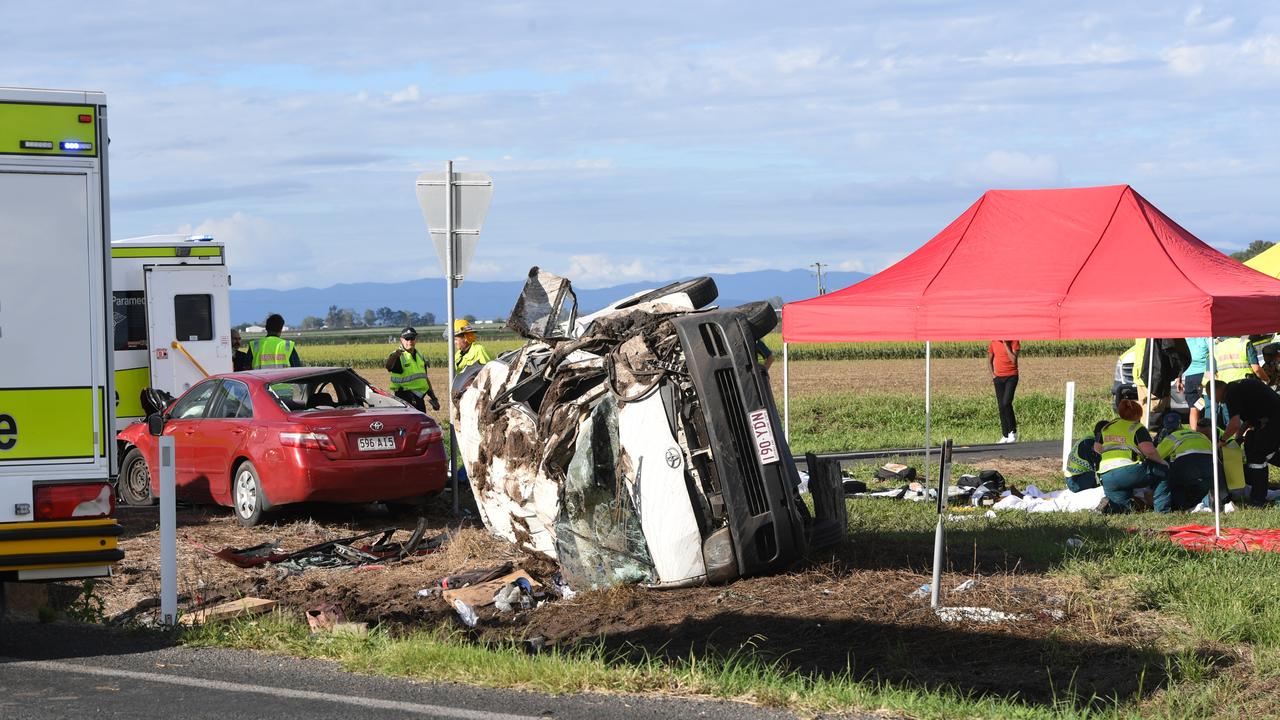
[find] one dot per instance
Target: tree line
(344, 318)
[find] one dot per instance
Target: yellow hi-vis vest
(1232, 358)
(1184, 441)
(1233, 465)
(1119, 445)
(412, 375)
(270, 352)
(1139, 351)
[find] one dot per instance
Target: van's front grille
(748, 468)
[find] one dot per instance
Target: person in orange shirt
(1002, 358)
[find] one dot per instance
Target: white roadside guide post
(454, 206)
(1068, 423)
(168, 534)
(928, 408)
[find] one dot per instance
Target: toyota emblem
(376, 425)
(673, 458)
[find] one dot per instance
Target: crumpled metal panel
(547, 307)
(599, 539)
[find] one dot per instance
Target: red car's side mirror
(155, 424)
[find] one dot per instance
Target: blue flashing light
(76, 145)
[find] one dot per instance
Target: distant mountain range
(491, 300)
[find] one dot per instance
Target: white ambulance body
(57, 454)
(172, 316)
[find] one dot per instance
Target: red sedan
(260, 439)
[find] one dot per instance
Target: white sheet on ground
(1035, 500)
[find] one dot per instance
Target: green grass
(840, 422)
(357, 349)
(448, 656)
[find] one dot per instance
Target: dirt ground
(838, 611)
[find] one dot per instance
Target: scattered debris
(974, 614)
(340, 552)
(482, 593)
(965, 586)
(466, 613)
(324, 617)
(1075, 542)
(234, 608)
(920, 592)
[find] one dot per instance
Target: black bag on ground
(992, 479)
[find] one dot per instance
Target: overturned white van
(634, 445)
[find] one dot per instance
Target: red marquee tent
(1097, 262)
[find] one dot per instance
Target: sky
(644, 141)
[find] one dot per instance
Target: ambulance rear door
(188, 324)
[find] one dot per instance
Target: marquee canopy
(1098, 262)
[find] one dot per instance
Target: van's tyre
(760, 316)
(702, 291)
(247, 500)
(134, 483)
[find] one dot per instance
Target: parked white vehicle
(171, 316)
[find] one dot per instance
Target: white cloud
(1002, 168)
(412, 93)
(260, 252)
(590, 271)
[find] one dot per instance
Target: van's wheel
(701, 291)
(760, 316)
(135, 480)
(247, 498)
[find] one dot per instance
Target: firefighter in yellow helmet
(468, 352)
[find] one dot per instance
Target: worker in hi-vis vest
(273, 351)
(1128, 458)
(408, 370)
(469, 352)
(1255, 419)
(1189, 453)
(1236, 359)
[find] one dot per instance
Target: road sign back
(472, 193)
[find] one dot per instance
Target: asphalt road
(62, 671)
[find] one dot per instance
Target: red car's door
(185, 419)
(222, 433)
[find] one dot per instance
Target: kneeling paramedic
(1190, 478)
(1081, 472)
(1129, 458)
(408, 370)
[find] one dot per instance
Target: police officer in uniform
(408, 370)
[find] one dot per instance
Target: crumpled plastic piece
(974, 614)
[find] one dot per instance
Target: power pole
(822, 290)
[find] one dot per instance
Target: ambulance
(57, 389)
(171, 317)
